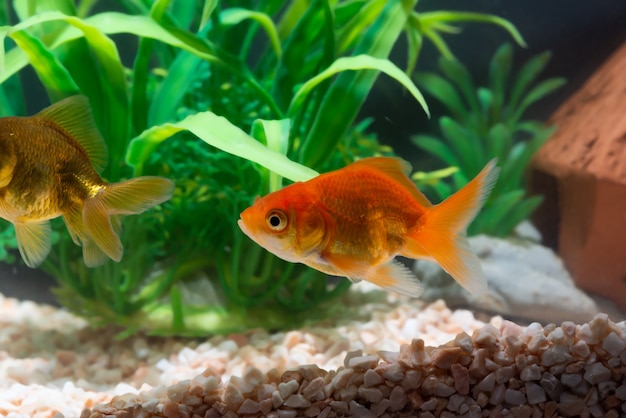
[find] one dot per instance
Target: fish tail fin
(125, 198)
(440, 237)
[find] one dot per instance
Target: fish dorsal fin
(73, 114)
(399, 170)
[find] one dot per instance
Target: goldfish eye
(276, 220)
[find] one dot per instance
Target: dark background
(580, 34)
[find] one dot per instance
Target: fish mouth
(244, 228)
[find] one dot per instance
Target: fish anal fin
(33, 241)
(399, 170)
(396, 277)
(73, 114)
(392, 275)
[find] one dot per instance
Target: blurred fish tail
(100, 214)
(441, 236)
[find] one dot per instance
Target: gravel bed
(386, 357)
(52, 364)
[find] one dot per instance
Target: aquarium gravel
(387, 357)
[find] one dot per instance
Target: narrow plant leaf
(349, 33)
(53, 75)
(499, 142)
(442, 90)
(180, 76)
(430, 18)
(142, 26)
(466, 144)
(236, 15)
(459, 74)
(220, 133)
(357, 63)
(526, 75)
(414, 47)
(499, 69)
(437, 147)
(308, 36)
(537, 93)
(517, 213)
(348, 91)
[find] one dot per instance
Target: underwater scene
(312, 208)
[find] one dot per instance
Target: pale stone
(613, 344)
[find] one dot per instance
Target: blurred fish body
(49, 166)
(352, 222)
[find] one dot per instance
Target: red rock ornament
(581, 171)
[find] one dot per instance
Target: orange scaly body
(352, 222)
(49, 167)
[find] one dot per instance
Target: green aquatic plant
(271, 88)
(487, 122)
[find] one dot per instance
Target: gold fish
(352, 222)
(49, 166)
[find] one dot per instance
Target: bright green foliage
(486, 122)
(291, 74)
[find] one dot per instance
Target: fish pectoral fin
(33, 241)
(396, 277)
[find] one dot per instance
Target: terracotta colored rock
(581, 171)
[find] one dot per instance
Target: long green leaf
(348, 91)
(499, 69)
(142, 26)
(537, 93)
(442, 90)
(438, 17)
(358, 63)
(466, 144)
(141, 68)
(53, 75)
(350, 32)
(220, 133)
(460, 75)
(529, 71)
(303, 50)
(114, 122)
(438, 148)
(236, 15)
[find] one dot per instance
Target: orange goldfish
(49, 166)
(352, 222)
